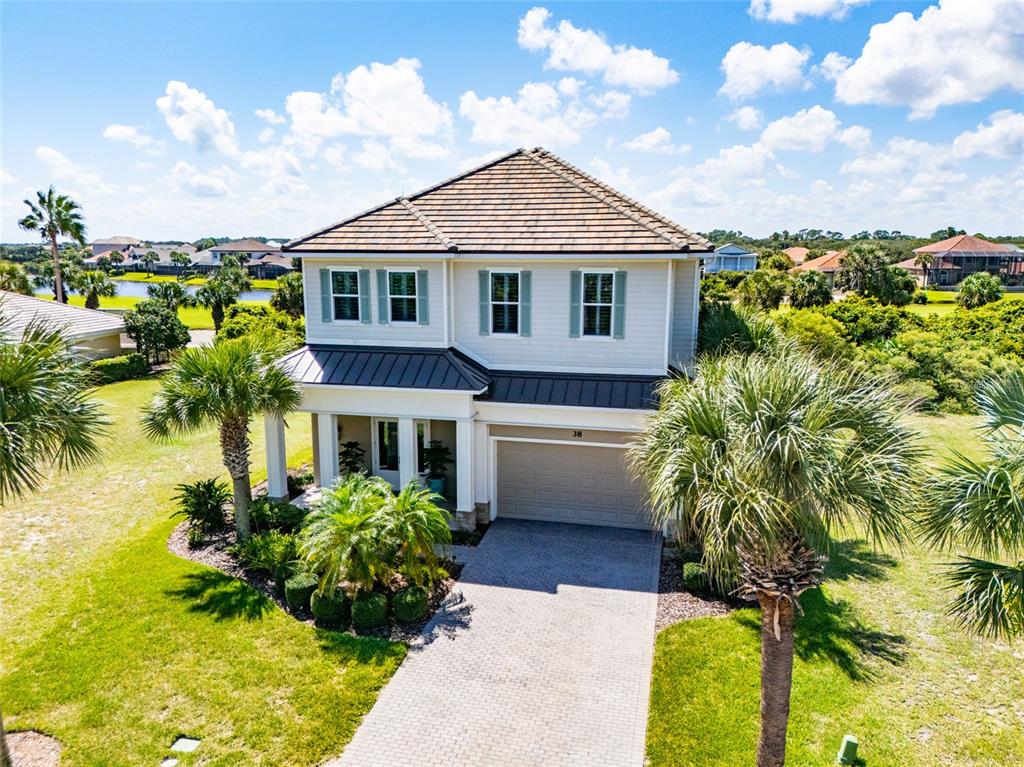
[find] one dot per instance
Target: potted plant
(437, 457)
(352, 458)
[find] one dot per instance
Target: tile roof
(830, 262)
(120, 240)
(966, 243)
(911, 264)
(623, 392)
(247, 245)
(76, 323)
(797, 254)
(526, 201)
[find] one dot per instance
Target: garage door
(568, 483)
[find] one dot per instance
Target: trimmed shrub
(282, 516)
(409, 604)
(123, 368)
(369, 610)
(332, 609)
(298, 590)
(298, 483)
(267, 552)
(695, 576)
(919, 297)
(282, 573)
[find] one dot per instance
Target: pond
(138, 290)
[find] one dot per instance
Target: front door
(385, 448)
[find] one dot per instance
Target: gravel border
(31, 748)
(675, 603)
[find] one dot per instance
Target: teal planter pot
(436, 485)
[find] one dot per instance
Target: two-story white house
(522, 313)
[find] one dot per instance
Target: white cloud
(618, 178)
(270, 116)
(375, 156)
(1002, 137)
(535, 117)
(475, 161)
(6, 177)
(612, 103)
(750, 69)
(957, 52)
(832, 66)
(584, 50)
(266, 135)
(658, 141)
(747, 118)
(62, 168)
(899, 156)
(809, 130)
(195, 119)
(790, 11)
(272, 162)
(132, 135)
(188, 178)
(856, 137)
(335, 156)
(570, 87)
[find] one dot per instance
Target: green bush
(202, 504)
(763, 289)
(809, 289)
(264, 322)
(123, 368)
(865, 320)
(282, 516)
(267, 552)
(409, 604)
(725, 328)
(298, 483)
(331, 609)
(695, 576)
(298, 590)
(919, 297)
(816, 333)
(979, 289)
(369, 610)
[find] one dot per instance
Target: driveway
(543, 659)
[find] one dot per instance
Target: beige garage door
(568, 483)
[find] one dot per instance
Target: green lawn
(876, 657)
(116, 646)
(942, 302)
(150, 278)
(195, 317)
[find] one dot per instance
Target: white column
(277, 483)
(406, 451)
(313, 420)
(464, 464)
(481, 472)
(327, 441)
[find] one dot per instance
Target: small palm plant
(55, 215)
(980, 505)
(979, 289)
(93, 285)
(173, 294)
(760, 460)
(416, 526)
(288, 297)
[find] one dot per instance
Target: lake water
(138, 290)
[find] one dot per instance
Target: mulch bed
(214, 553)
(33, 749)
(675, 603)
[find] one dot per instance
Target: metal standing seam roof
(526, 201)
(575, 390)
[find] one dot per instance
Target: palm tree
(181, 260)
(14, 279)
(93, 285)
(760, 460)
(116, 258)
(55, 215)
(415, 525)
(46, 415)
(979, 289)
(925, 261)
(147, 259)
(288, 296)
(228, 384)
(174, 294)
(221, 291)
(980, 505)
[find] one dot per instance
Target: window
(402, 296)
(597, 303)
(345, 292)
(387, 445)
(505, 302)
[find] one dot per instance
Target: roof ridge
(609, 190)
(433, 228)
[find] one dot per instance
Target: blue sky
(183, 120)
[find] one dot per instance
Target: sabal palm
(925, 261)
(173, 294)
(149, 258)
(92, 285)
(226, 384)
(46, 415)
(288, 297)
(415, 525)
(980, 505)
(221, 291)
(760, 460)
(55, 215)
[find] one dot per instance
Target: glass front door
(385, 448)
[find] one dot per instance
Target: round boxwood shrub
(695, 576)
(331, 609)
(298, 589)
(409, 604)
(369, 610)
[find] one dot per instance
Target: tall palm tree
(227, 384)
(760, 460)
(46, 416)
(55, 215)
(174, 294)
(222, 290)
(14, 278)
(93, 285)
(288, 297)
(149, 258)
(980, 505)
(181, 260)
(925, 261)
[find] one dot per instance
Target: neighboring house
(163, 264)
(797, 254)
(93, 334)
(731, 258)
(262, 259)
(120, 244)
(828, 265)
(957, 257)
(522, 313)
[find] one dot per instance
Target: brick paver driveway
(545, 660)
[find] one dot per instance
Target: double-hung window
(345, 295)
(402, 296)
(598, 299)
(505, 302)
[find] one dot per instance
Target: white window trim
(519, 303)
(358, 295)
(584, 304)
(415, 296)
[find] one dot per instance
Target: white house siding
(99, 346)
(684, 327)
(549, 346)
(317, 331)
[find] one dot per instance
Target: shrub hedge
(298, 589)
(409, 604)
(123, 368)
(369, 610)
(331, 610)
(282, 516)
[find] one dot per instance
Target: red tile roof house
(956, 257)
(829, 265)
(521, 313)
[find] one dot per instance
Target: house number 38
(577, 435)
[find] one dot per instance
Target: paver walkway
(543, 659)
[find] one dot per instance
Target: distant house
(797, 254)
(92, 334)
(110, 244)
(133, 255)
(262, 259)
(956, 257)
(730, 258)
(829, 265)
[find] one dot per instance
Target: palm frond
(990, 599)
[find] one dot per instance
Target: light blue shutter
(326, 306)
(524, 303)
(422, 297)
(485, 302)
(575, 303)
(364, 296)
(382, 296)
(619, 305)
